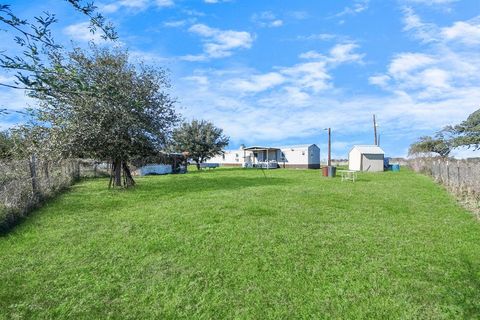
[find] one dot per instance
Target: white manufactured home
(366, 158)
(299, 156)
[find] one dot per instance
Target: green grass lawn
(234, 244)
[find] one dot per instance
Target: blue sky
(279, 72)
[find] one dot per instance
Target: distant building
(366, 158)
(162, 163)
(299, 156)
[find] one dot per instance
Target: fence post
(78, 169)
(47, 173)
(458, 172)
(33, 173)
(448, 174)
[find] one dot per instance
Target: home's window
(223, 156)
(236, 155)
(303, 153)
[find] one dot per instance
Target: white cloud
(200, 80)
(357, 7)
(219, 43)
(266, 19)
(344, 53)
(194, 58)
(450, 65)
(139, 4)
(256, 83)
(340, 53)
(148, 57)
(424, 90)
(426, 32)
(464, 31)
(431, 2)
(291, 81)
(215, 1)
(407, 62)
(108, 8)
(424, 73)
(135, 5)
(164, 3)
(299, 15)
(292, 110)
(379, 80)
(175, 23)
(81, 32)
(318, 36)
(312, 55)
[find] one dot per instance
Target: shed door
(372, 162)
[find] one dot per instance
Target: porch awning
(259, 148)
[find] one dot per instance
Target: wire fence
(460, 177)
(25, 184)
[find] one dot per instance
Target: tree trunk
(129, 182)
(117, 178)
(198, 165)
(121, 170)
(111, 175)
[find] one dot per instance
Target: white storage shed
(366, 158)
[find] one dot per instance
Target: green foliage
(22, 141)
(6, 145)
(427, 144)
(232, 244)
(125, 113)
(467, 133)
(38, 46)
(201, 139)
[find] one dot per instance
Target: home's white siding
(231, 157)
(305, 156)
(293, 155)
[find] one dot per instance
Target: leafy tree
(201, 139)
(467, 133)
(125, 112)
(37, 45)
(438, 144)
(6, 145)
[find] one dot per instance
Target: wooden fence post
(448, 174)
(78, 169)
(47, 173)
(458, 172)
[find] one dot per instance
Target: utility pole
(375, 130)
(329, 163)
